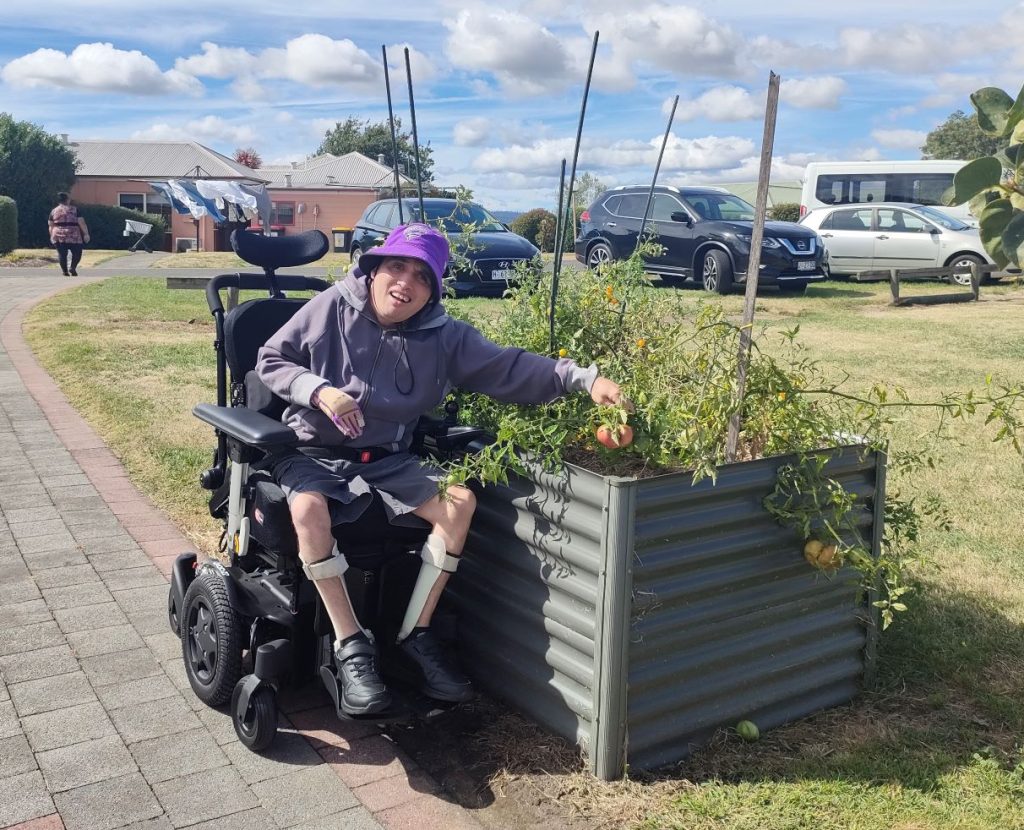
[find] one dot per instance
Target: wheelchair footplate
(407, 703)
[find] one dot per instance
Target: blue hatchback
(486, 265)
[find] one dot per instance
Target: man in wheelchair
(358, 365)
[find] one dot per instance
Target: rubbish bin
(342, 239)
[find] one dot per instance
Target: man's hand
(607, 393)
(342, 410)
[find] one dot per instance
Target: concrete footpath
(99, 728)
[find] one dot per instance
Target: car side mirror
(934, 230)
(682, 216)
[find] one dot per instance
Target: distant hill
(506, 216)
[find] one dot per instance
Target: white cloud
(543, 158)
(720, 103)
(901, 49)
(218, 62)
(901, 139)
(472, 132)
(525, 57)
(813, 93)
(210, 128)
(677, 38)
(423, 69)
(318, 60)
(98, 67)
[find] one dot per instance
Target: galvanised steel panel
(527, 594)
(648, 613)
(728, 621)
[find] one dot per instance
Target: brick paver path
(98, 726)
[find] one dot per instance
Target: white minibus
(921, 182)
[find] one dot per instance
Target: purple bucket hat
(417, 241)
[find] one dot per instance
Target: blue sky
(498, 88)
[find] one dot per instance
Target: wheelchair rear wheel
(211, 639)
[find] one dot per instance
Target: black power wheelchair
(255, 624)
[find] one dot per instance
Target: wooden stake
(754, 266)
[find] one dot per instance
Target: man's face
(399, 289)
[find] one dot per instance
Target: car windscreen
(453, 218)
(720, 206)
(943, 220)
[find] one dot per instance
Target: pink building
(324, 192)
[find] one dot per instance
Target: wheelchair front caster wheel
(257, 725)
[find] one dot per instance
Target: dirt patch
(509, 772)
(27, 262)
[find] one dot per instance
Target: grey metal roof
(327, 170)
(156, 160)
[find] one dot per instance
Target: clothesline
(215, 198)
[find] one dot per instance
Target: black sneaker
(362, 690)
(441, 678)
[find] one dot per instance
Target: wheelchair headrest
(273, 252)
(249, 326)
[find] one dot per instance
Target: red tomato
(615, 439)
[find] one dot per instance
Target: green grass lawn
(48, 256)
(937, 744)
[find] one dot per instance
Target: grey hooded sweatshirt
(396, 374)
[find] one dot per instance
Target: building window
(145, 203)
(282, 213)
(132, 201)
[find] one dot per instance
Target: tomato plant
(679, 370)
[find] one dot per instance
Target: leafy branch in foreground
(679, 369)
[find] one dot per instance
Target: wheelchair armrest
(246, 425)
(438, 437)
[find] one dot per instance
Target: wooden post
(754, 265)
(975, 281)
(894, 286)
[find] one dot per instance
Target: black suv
(494, 250)
(705, 232)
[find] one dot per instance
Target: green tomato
(748, 730)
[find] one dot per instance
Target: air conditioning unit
(184, 243)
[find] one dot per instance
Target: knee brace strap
(435, 554)
(334, 565)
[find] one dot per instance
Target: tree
(373, 139)
(959, 137)
(537, 225)
(34, 167)
(249, 157)
(588, 188)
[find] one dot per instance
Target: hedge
(106, 227)
(786, 212)
(8, 224)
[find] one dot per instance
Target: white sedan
(865, 237)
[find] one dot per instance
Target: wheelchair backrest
(249, 326)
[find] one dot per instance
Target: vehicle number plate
(806, 266)
(502, 274)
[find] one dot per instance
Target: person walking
(69, 233)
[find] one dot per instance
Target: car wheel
(964, 261)
(716, 272)
(211, 639)
(257, 725)
(354, 256)
(599, 255)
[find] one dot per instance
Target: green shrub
(529, 225)
(8, 224)
(785, 212)
(106, 226)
